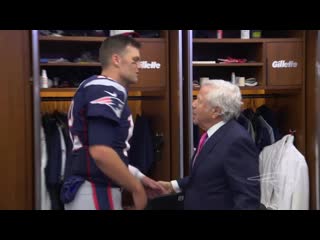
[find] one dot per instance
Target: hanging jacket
(53, 167)
(270, 117)
(283, 176)
(246, 123)
(141, 153)
(62, 120)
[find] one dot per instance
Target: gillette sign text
(149, 65)
(284, 64)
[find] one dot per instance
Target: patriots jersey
(103, 98)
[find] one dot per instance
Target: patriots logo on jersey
(113, 102)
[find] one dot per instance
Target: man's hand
(167, 186)
(153, 188)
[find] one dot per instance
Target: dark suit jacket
(220, 177)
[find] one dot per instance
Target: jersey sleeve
(105, 101)
(97, 129)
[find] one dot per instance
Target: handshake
(155, 189)
(152, 191)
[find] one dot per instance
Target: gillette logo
(284, 64)
(151, 65)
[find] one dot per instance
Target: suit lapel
(192, 158)
(210, 144)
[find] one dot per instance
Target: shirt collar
(214, 128)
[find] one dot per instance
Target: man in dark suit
(226, 158)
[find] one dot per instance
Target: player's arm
(111, 165)
(101, 135)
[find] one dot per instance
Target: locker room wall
(16, 163)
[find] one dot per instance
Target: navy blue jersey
(104, 100)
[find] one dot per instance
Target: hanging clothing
(269, 129)
(270, 117)
(284, 176)
(263, 137)
(45, 203)
(246, 123)
(141, 153)
(53, 167)
(63, 153)
(62, 121)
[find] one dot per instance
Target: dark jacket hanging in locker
(53, 168)
(141, 153)
(62, 120)
(270, 118)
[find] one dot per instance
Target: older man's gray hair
(226, 96)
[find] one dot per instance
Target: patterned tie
(201, 143)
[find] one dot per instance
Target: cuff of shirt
(136, 172)
(175, 186)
